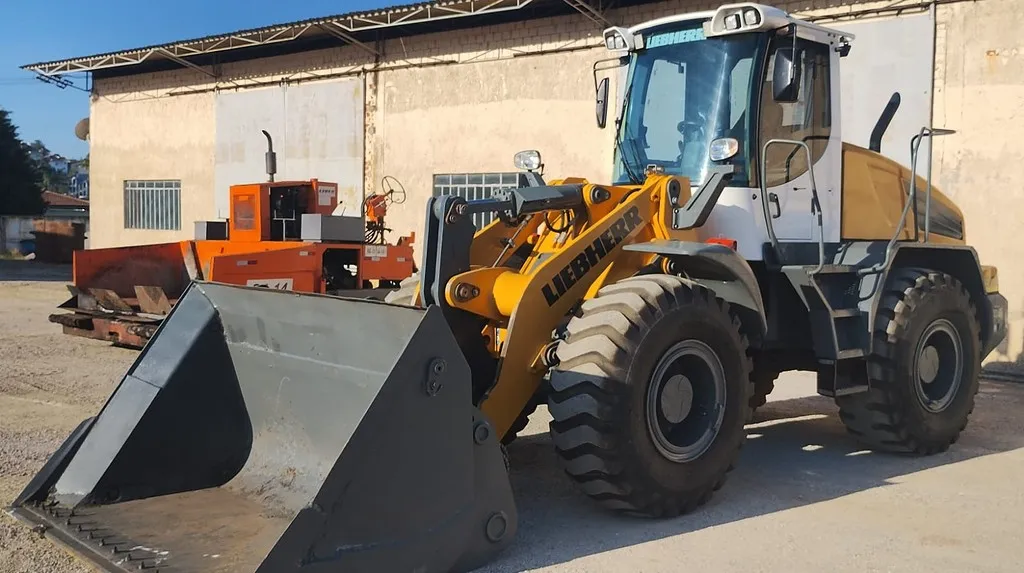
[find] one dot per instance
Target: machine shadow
(33, 271)
(798, 453)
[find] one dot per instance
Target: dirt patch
(23, 552)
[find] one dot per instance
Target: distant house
(65, 207)
(60, 164)
(52, 237)
(78, 185)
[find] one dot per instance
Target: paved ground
(805, 498)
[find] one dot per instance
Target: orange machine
(280, 235)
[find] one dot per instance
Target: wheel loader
(740, 238)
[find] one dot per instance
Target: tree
(20, 179)
(76, 166)
(39, 151)
(52, 167)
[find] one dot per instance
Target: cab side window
(809, 119)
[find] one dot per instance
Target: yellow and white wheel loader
(264, 431)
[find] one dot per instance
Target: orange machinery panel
(206, 251)
(121, 268)
(250, 206)
(387, 262)
(164, 265)
(298, 267)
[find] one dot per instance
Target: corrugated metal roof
(341, 26)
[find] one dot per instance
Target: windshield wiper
(636, 156)
(618, 139)
(625, 162)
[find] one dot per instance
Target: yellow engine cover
(875, 191)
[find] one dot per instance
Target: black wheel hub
(938, 365)
(686, 401)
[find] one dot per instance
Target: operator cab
(718, 87)
(274, 211)
(287, 204)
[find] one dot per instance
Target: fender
(720, 269)
(963, 263)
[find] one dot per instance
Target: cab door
(809, 119)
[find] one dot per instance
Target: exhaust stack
(271, 157)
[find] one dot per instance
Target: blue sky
(44, 30)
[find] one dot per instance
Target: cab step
(837, 269)
(846, 313)
(842, 378)
(839, 327)
(851, 353)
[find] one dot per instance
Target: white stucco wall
(467, 100)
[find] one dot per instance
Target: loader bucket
(272, 431)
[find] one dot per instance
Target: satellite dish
(82, 129)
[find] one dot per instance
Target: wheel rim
(686, 401)
(938, 366)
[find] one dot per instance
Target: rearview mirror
(786, 78)
(602, 103)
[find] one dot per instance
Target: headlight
(615, 39)
(724, 148)
(528, 160)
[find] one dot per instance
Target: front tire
(924, 366)
(650, 395)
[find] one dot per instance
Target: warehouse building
(440, 95)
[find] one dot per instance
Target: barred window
(154, 205)
(475, 186)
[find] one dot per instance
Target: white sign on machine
(375, 252)
(276, 284)
(326, 194)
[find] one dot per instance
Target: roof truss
(341, 27)
(594, 13)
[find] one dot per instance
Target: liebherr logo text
(591, 256)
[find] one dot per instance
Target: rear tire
(635, 431)
(924, 367)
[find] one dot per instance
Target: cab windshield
(684, 92)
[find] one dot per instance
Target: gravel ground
(804, 498)
(48, 383)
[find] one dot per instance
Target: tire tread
(582, 401)
(878, 417)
